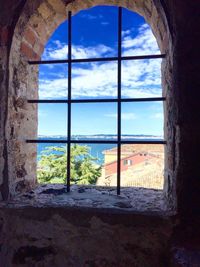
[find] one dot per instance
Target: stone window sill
(131, 200)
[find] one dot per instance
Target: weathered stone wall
(185, 96)
(29, 38)
(80, 237)
(7, 21)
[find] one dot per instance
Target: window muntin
(119, 100)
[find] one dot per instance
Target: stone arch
(35, 25)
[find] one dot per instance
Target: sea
(95, 150)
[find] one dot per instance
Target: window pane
(142, 166)
(142, 120)
(90, 164)
(52, 121)
(137, 36)
(90, 31)
(57, 46)
(141, 78)
(109, 170)
(53, 81)
(94, 80)
(94, 121)
(52, 163)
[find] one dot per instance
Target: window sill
(131, 200)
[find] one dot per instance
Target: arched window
(100, 102)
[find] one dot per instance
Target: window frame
(119, 100)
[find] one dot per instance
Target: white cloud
(157, 116)
(78, 51)
(91, 17)
(104, 23)
(129, 116)
(49, 88)
(143, 43)
(140, 78)
(125, 116)
(126, 32)
(96, 81)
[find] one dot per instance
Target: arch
(37, 22)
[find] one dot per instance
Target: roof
(136, 148)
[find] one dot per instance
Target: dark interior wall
(80, 237)
(8, 17)
(183, 17)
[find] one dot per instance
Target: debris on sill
(83, 196)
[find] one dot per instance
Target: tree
(53, 164)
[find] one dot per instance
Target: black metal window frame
(119, 100)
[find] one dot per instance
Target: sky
(95, 34)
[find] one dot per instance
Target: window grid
(69, 99)
(119, 99)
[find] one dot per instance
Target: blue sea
(96, 150)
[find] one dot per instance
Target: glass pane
(94, 80)
(53, 81)
(141, 78)
(137, 36)
(109, 171)
(51, 163)
(52, 121)
(96, 121)
(57, 45)
(142, 166)
(142, 120)
(90, 31)
(90, 164)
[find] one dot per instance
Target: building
(139, 167)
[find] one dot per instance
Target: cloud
(91, 17)
(157, 116)
(78, 51)
(140, 78)
(125, 116)
(49, 88)
(105, 23)
(126, 32)
(95, 80)
(141, 44)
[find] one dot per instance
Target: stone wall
(76, 235)
(60, 239)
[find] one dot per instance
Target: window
(118, 104)
(128, 162)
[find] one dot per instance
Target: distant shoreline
(103, 137)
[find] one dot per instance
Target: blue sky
(95, 35)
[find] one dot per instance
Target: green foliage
(53, 164)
